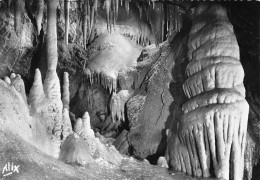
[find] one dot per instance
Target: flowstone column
(211, 135)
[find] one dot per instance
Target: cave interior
(129, 89)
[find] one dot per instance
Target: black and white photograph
(129, 90)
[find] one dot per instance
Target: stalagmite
(52, 83)
(36, 95)
(221, 75)
(67, 127)
(18, 84)
(67, 20)
(78, 126)
(39, 15)
(75, 150)
(7, 79)
(12, 76)
(52, 86)
(83, 129)
(200, 64)
(213, 129)
(162, 162)
(86, 125)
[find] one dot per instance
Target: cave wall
(17, 45)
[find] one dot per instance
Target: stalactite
(67, 20)
(112, 15)
(178, 19)
(51, 42)
(213, 127)
(117, 105)
(162, 21)
(147, 13)
(39, 15)
(66, 92)
(175, 17)
(93, 15)
(86, 22)
(116, 8)
(127, 7)
(8, 3)
(106, 82)
(156, 19)
(139, 9)
(167, 19)
(107, 6)
(18, 13)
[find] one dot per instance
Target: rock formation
(74, 150)
(96, 148)
(67, 20)
(161, 81)
(211, 136)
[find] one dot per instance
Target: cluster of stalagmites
(211, 136)
(45, 102)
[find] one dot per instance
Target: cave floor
(33, 164)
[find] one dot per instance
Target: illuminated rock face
(210, 138)
(75, 150)
(14, 112)
(111, 54)
(96, 148)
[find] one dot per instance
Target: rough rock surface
(74, 150)
(33, 164)
(148, 109)
(14, 112)
(96, 148)
(211, 136)
(16, 50)
(16, 117)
